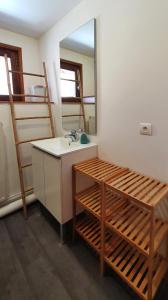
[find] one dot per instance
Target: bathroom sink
(60, 146)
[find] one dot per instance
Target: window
(71, 81)
(15, 63)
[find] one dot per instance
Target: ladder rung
(27, 165)
(28, 190)
(32, 118)
(64, 116)
(74, 98)
(70, 80)
(29, 95)
(32, 102)
(33, 140)
(25, 73)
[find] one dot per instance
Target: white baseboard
(5, 201)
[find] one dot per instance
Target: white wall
(9, 180)
(132, 58)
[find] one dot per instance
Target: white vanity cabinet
(38, 175)
(47, 181)
(52, 183)
(52, 179)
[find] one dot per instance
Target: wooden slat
(122, 178)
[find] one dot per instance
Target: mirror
(78, 79)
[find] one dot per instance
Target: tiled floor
(34, 265)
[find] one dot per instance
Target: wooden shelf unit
(97, 170)
(136, 223)
(129, 263)
(131, 222)
(122, 226)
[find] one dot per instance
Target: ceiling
(82, 40)
(33, 17)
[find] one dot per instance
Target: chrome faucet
(72, 135)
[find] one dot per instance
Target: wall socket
(146, 128)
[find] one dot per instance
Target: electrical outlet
(146, 128)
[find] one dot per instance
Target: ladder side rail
(49, 102)
(13, 115)
(81, 96)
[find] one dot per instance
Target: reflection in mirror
(78, 79)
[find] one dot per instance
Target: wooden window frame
(15, 53)
(73, 66)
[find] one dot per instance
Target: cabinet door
(38, 174)
(52, 171)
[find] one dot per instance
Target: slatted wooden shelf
(133, 224)
(98, 169)
(123, 258)
(89, 229)
(142, 189)
(133, 268)
(129, 221)
(90, 199)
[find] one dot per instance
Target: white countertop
(60, 146)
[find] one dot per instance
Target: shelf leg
(62, 233)
(102, 252)
(73, 201)
(151, 255)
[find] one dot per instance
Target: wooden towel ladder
(81, 114)
(14, 123)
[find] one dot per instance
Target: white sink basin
(60, 146)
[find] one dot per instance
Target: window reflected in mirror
(78, 79)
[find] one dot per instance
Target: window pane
(68, 89)
(3, 76)
(67, 74)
